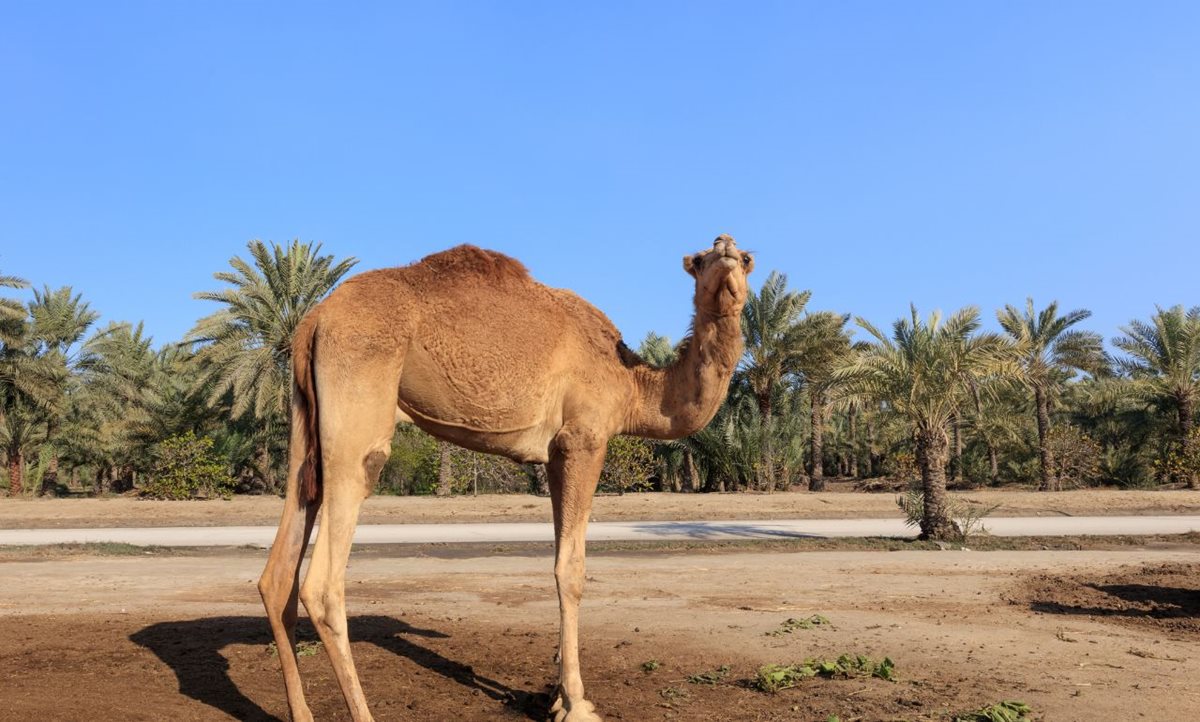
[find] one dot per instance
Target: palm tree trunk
(1043, 424)
(874, 458)
(690, 473)
(15, 464)
(816, 474)
(264, 465)
(444, 476)
(956, 449)
(931, 457)
(1186, 409)
(852, 429)
(50, 478)
(101, 485)
(993, 463)
(766, 480)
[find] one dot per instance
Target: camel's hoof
(583, 711)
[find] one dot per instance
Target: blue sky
(943, 153)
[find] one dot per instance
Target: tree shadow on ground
(192, 649)
(708, 530)
(1130, 600)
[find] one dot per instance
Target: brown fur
(304, 394)
(471, 349)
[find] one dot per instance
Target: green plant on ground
(774, 677)
(651, 665)
(673, 695)
(1007, 711)
(304, 648)
(711, 677)
(792, 624)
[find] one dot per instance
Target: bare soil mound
(1163, 598)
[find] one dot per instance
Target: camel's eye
(746, 260)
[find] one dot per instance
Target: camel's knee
(266, 588)
(568, 573)
(314, 600)
(276, 590)
(373, 464)
(326, 607)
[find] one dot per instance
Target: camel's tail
(305, 420)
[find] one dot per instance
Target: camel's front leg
(574, 471)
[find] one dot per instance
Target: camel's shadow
(192, 649)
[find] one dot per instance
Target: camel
(467, 346)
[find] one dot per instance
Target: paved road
(606, 531)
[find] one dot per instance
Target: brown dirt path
(262, 510)
(118, 638)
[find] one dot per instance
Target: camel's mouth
(728, 293)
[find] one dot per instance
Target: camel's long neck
(682, 398)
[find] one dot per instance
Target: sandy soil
(1092, 635)
(262, 510)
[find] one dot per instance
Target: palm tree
(822, 345)
(110, 426)
(59, 321)
(924, 372)
(28, 382)
(1049, 353)
(1118, 417)
(657, 350)
(244, 350)
(21, 429)
(770, 324)
(994, 417)
(728, 452)
(1164, 365)
(12, 312)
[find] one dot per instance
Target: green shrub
(186, 467)
(1181, 465)
(628, 465)
(412, 467)
(1075, 457)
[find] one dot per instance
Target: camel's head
(720, 274)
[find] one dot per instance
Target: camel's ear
(691, 264)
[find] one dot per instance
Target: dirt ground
(265, 510)
(1078, 635)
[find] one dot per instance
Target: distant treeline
(99, 410)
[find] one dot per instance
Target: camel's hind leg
(280, 582)
(357, 421)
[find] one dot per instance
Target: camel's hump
(472, 260)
